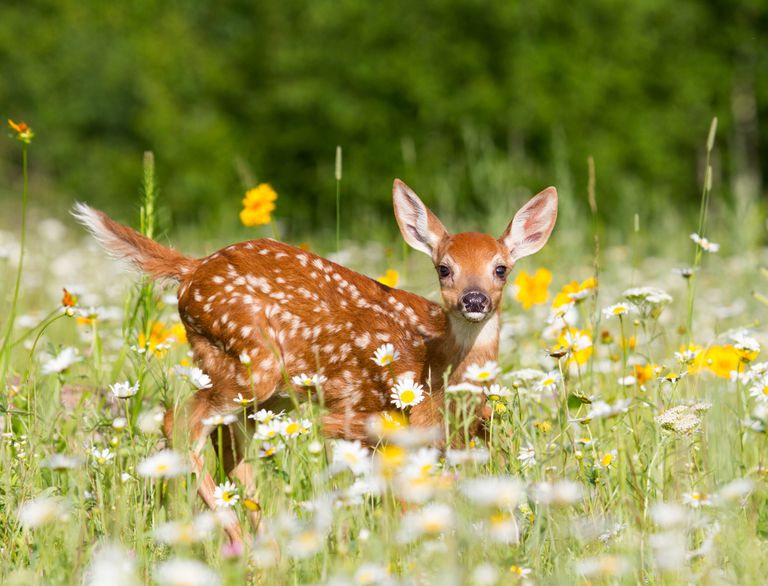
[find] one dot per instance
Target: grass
(594, 468)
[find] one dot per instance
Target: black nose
(475, 301)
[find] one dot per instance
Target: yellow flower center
(765, 390)
(484, 375)
(607, 459)
(407, 396)
(292, 428)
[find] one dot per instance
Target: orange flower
(23, 131)
(390, 278)
(258, 205)
(68, 300)
(532, 289)
(645, 372)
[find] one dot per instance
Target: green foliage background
(470, 101)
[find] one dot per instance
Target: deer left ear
(529, 231)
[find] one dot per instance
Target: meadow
(627, 443)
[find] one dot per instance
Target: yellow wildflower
(258, 205)
(578, 342)
(532, 289)
(645, 372)
(573, 292)
(719, 360)
(390, 278)
(161, 338)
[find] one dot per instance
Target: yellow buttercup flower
(258, 205)
(390, 278)
(574, 292)
(161, 338)
(719, 360)
(532, 289)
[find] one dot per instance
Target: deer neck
(466, 343)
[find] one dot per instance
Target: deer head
(473, 267)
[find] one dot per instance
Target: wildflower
(734, 490)
(407, 393)
(497, 392)
(482, 372)
(150, 421)
(226, 495)
(456, 457)
(495, 491)
(23, 131)
(67, 299)
(245, 359)
(672, 377)
(574, 292)
(608, 459)
(195, 376)
(124, 390)
(101, 457)
(305, 543)
(627, 381)
(351, 455)
(269, 430)
(696, 499)
(432, 520)
(60, 462)
(562, 492)
(747, 347)
(423, 462)
(578, 343)
(705, 244)
(186, 532)
(502, 528)
(759, 390)
(687, 356)
(519, 572)
(309, 380)
(265, 415)
(119, 423)
(719, 360)
(112, 565)
(216, 420)
(485, 574)
(41, 511)
(617, 310)
(258, 205)
(243, 401)
(62, 361)
(605, 566)
(294, 428)
(684, 272)
(185, 572)
(464, 387)
(161, 338)
(525, 376)
(389, 278)
(164, 464)
(527, 457)
(385, 354)
(682, 419)
(371, 574)
(533, 289)
(268, 450)
(549, 382)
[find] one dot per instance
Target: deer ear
(418, 225)
(529, 231)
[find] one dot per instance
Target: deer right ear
(418, 225)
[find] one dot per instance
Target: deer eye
(501, 271)
(443, 271)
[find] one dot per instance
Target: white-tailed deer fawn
(291, 311)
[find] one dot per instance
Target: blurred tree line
(470, 101)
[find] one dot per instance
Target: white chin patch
(474, 315)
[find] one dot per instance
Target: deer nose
(475, 302)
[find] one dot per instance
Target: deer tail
(158, 261)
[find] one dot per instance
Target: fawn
(290, 311)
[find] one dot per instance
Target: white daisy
(617, 310)
(549, 382)
(705, 244)
(245, 359)
(527, 457)
(216, 420)
(407, 393)
(352, 455)
(497, 392)
(482, 372)
(295, 427)
(61, 362)
(385, 354)
(101, 457)
(268, 450)
(265, 415)
(464, 387)
(185, 572)
(577, 341)
(124, 390)
(269, 430)
(309, 380)
(195, 376)
(164, 464)
(244, 401)
(226, 495)
(41, 511)
(686, 356)
(696, 499)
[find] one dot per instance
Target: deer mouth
(475, 316)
